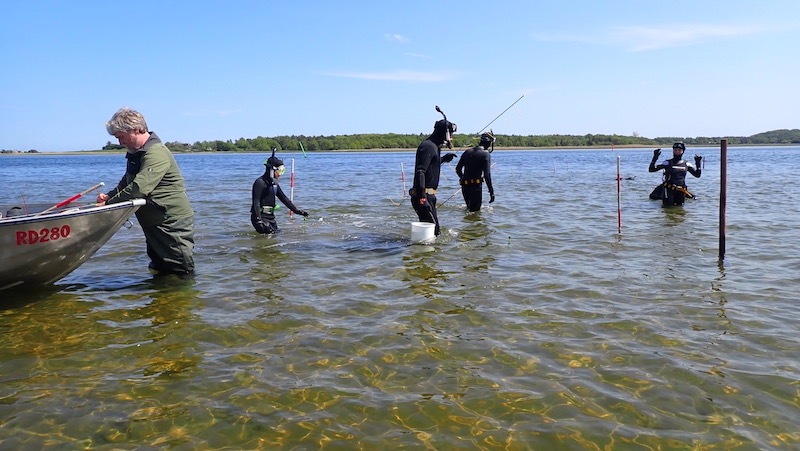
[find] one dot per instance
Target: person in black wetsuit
(673, 189)
(474, 167)
(427, 166)
(265, 190)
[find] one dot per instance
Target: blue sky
(205, 70)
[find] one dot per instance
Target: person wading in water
(673, 189)
(474, 168)
(427, 167)
(265, 191)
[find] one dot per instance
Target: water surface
(533, 324)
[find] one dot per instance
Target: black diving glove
(302, 213)
(656, 154)
(491, 197)
(448, 157)
(697, 160)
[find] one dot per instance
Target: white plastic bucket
(422, 232)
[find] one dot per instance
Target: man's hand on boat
(101, 199)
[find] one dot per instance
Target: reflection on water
(674, 215)
(532, 324)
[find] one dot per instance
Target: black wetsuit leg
(473, 196)
(266, 225)
(678, 197)
(673, 197)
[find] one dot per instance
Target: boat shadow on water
(16, 298)
(19, 297)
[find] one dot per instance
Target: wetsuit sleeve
(421, 166)
(279, 193)
(693, 170)
(654, 167)
(487, 173)
(258, 190)
(460, 166)
(419, 181)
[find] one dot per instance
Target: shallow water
(532, 324)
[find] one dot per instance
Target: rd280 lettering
(27, 237)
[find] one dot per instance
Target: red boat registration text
(43, 235)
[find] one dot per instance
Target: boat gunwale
(68, 213)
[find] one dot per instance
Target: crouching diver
(673, 189)
(427, 166)
(476, 166)
(265, 190)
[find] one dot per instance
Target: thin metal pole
(723, 195)
(451, 196)
(498, 116)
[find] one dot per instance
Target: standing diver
(265, 190)
(476, 165)
(673, 189)
(427, 166)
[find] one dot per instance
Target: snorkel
(487, 141)
(275, 163)
(450, 128)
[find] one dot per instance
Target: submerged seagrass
(532, 324)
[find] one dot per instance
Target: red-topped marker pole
(403, 178)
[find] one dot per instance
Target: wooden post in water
(619, 198)
(723, 194)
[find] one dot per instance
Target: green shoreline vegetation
(398, 142)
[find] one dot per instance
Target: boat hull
(40, 249)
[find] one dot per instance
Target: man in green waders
(152, 174)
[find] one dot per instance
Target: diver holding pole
(474, 167)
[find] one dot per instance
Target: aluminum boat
(38, 249)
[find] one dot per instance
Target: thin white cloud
(639, 39)
(644, 38)
(224, 113)
(399, 75)
(419, 55)
(396, 37)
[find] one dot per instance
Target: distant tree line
(375, 141)
(19, 151)
(782, 136)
